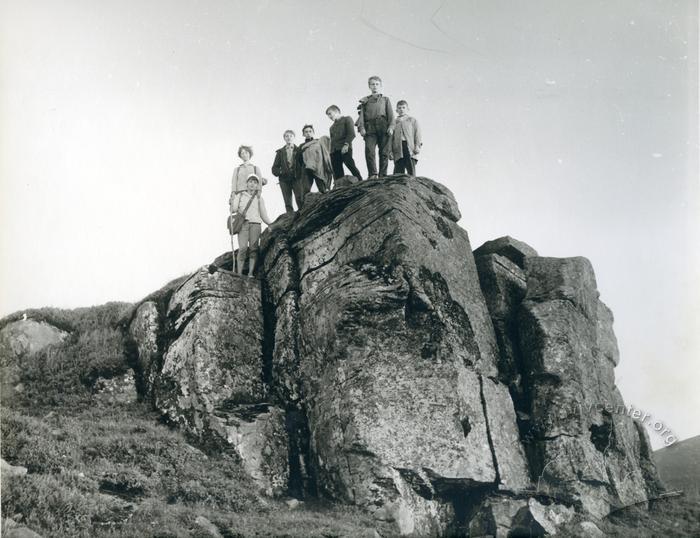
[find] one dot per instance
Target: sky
(572, 126)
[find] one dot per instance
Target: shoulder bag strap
(248, 204)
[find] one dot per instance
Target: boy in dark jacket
(285, 168)
(342, 134)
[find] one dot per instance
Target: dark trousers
(289, 186)
(372, 140)
(405, 164)
(309, 178)
(338, 159)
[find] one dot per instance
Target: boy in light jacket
(406, 141)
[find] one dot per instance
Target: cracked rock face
(215, 356)
(384, 330)
(578, 449)
(209, 379)
(558, 352)
(383, 364)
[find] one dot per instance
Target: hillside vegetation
(679, 466)
(102, 469)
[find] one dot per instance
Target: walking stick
(233, 253)
(233, 243)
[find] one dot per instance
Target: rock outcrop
(28, 336)
(557, 355)
(19, 339)
(208, 378)
(383, 339)
(378, 362)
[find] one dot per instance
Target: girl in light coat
(243, 170)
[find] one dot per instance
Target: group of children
(320, 160)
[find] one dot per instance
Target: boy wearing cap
(376, 125)
(249, 236)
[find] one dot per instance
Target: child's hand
(390, 131)
(345, 148)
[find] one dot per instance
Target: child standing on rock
(249, 236)
(406, 141)
(243, 170)
(342, 133)
(286, 169)
(376, 125)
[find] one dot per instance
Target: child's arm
(361, 117)
(235, 201)
(390, 117)
(263, 211)
(234, 184)
(263, 181)
(234, 181)
(349, 135)
(417, 137)
(277, 165)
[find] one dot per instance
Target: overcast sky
(569, 125)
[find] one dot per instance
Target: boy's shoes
(373, 177)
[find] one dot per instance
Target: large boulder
(19, 339)
(383, 338)
(557, 355)
(215, 352)
(27, 336)
(209, 379)
(583, 446)
(379, 362)
(507, 247)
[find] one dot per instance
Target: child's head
(253, 183)
(401, 107)
(289, 136)
(374, 83)
(308, 131)
(245, 152)
(333, 112)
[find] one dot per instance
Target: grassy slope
(679, 466)
(115, 471)
(97, 470)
